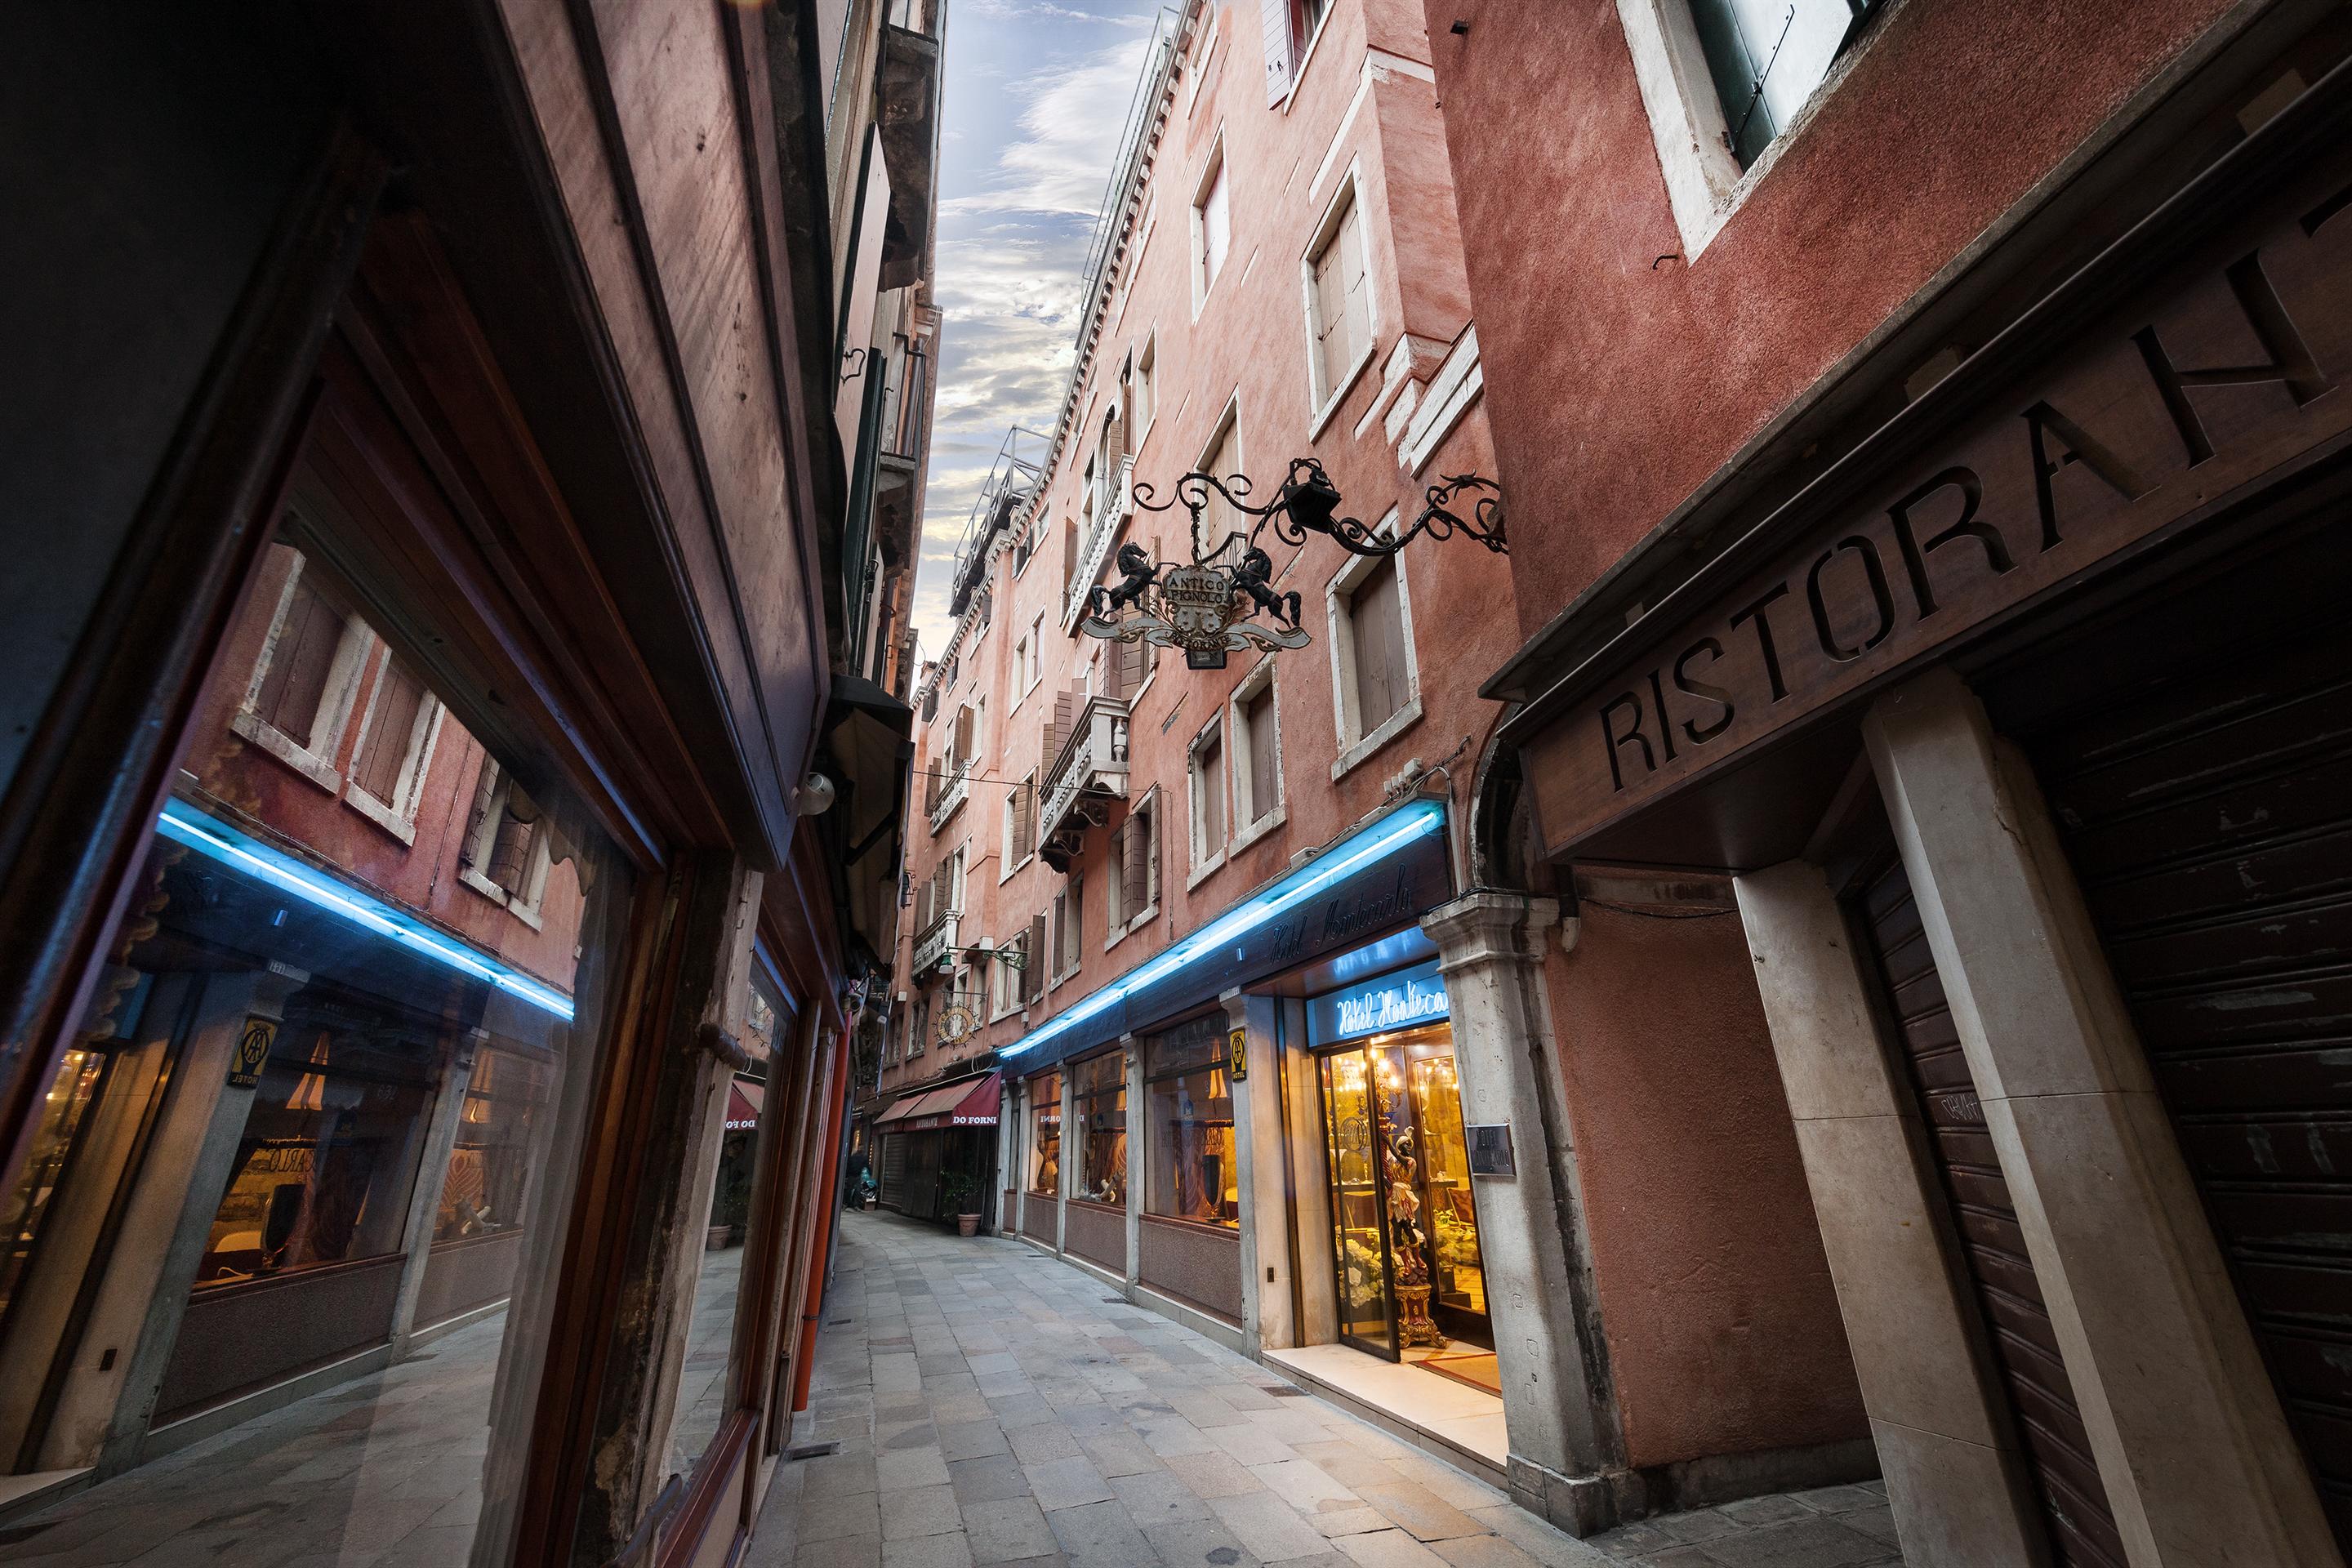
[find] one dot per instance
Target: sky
(1036, 95)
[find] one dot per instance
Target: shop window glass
(367, 1090)
(1045, 1135)
(1099, 1099)
(729, 1153)
(1189, 1129)
(330, 1147)
(65, 1112)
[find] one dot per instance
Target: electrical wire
(1639, 912)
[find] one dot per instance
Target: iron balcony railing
(1086, 769)
(1113, 498)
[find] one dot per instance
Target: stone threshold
(1458, 1424)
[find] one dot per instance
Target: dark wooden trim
(784, 755)
(262, 1284)
(727, 1457)
(75, 824)
(588, 1269)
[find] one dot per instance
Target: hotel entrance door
(1404, 1228)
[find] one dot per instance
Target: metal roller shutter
(2058, 1449)
(893, 1180)
(2209, 824)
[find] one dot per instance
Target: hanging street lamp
(1210, 605)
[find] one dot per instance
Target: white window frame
(1354, 745)
(1705, 184)
(1203, 281)
(397, 816)
(1325, 400)
(1007, 865)
(1307, 55)
(344, 671)
(1207, 858)
(1207, 52)
(1239, 761)
(1146, 360)
(524, 903)
(1003, 980)
(1228, 423)
(1133, 919)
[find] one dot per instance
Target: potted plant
(731, 1206)
(962, 1191)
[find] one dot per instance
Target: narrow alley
(994, 1405)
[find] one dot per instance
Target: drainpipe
(812, 1309)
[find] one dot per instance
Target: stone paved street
(994, 1405)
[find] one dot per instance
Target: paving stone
(914, 1468)
(1814, 1542)
(949, 1550)
(989, 1480)
(920, 1510)
(971, 1440)
(1699, 1524)
(1102, 1535)
(1159, 1496)
(1067, 1483)
(1008, 1530)
(1046, 1440)
(1756, 1511)
(1269, 1528)
(1838, 1499)
(1420, 1512)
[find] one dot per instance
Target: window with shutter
(381, 766)
(962, 736)
(1339, 300)
(518, 830)
(1212, 223)
(294, 685)
(1133, 837)
(1208, 797)
(1073, 921)
(1147, 372)
(1375, 628)
(1222, 457)
(1033, 952)
(1134, 666)
(1265, 778)
(1277, 31)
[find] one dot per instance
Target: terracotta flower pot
(967, 1224)
(721, 1235)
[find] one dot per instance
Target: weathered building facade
(465, 462)
(1923, 426)
(1211, 950)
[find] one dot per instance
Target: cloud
(1012, 250)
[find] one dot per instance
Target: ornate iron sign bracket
(1208, 607)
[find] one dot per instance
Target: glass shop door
(1405, 1227)
(1360, 1246)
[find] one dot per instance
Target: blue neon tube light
(208, 836)
(1389, 834)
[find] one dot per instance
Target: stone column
(1260, 1167)
(1947, 1445)
(1010, 1174)
(1130, 1062)
(126, 1349)
(1309, 1174)
(1567, 1457)
(2198, 1461)
(432, 1175)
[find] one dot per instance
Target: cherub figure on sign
(1254, 577)
(1136, 574)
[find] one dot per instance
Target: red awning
(744, 1098)
(972, 1104)
(901, 1110)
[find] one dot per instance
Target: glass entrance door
(1405, 1227)
(1359, 1252)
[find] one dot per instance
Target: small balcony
(942, 794)
(935, 949)
(1113, 498)
(1084, 770)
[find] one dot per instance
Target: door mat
(1479, 1371)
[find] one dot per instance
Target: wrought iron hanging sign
(1210, 606)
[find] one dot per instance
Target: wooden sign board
(2195, 388)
